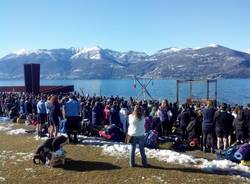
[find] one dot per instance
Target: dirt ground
(86, 164)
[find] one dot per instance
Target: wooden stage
(43, 89)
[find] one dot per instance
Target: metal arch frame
(208, 82)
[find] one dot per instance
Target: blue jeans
(137, 140)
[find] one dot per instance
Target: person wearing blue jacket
(41, 114)
(72, 114)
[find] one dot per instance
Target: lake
(234, 91)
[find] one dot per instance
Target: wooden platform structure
(32, 83)
(191, 99)
(43, 89)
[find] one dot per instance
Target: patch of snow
(122, 150)
(40, 138)
(19, 131)
(225, 166)
(22, 52)
(19, 160)
(21, 153)
(83, 50)
(248, 51)
(13, 157)
(3, 128)
(197, 48)
(87, 53)
(170, 50)
(213, 45)
(2, 179)
(180, 66)
(28, 156)
(30, 170)
(77, 70)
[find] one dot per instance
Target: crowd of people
(216, 126)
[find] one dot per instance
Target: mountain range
(212, 61)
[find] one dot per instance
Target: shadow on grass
(80, 166)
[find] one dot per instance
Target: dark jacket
(184, 118)
(222, 120)
(28, 107)
(208, 117)
(115, 116)
(247, 117)
(55, 113)
(239, 123)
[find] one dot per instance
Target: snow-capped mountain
(212, 61)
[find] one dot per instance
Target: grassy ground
(86, 164)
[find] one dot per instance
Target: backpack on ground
(151, 139)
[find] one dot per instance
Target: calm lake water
(235, 91)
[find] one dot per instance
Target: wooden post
(177, 92)
(215, 92)
(190, 90)
(207, 82)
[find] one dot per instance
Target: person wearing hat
(247, 120)
(222, 126)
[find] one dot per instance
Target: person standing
(239, 124)
(48, 108)
(184, 119)
(124, 117)
(208, 125)
(72, 114)
(28, 109)
(41, 114)
(165, 115)
(55, 114)
(222, 126)
(136, 129)
(247, 121)
(114, 115)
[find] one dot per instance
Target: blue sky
(142, 25)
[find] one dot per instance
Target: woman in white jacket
(136, 129)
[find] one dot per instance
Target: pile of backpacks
(239, 153)
(112, 133)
